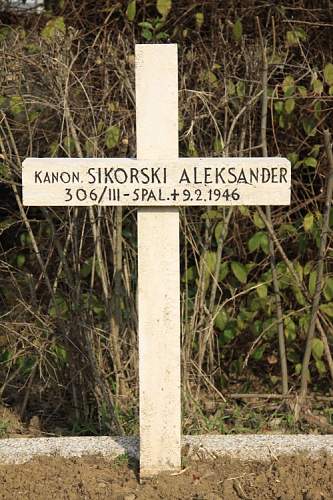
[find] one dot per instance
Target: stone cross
(157, 182)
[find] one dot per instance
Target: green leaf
(218, 145)
(308, 268)
(86, 268)
(192, 150)
(299, 296)
(227, 336)
(310, 162)
(320, 366)
(131, 10)
(146, 24)
(243, 319)
(258, 220)
(59, 308)
(237, 30)
(147, 35)
(211, 214)
(293, 158)
(328, 73)
(262, 291)
(258, 353)
(189, 274)
(53, 27)
(289, 105)
(288, 85)
(199, 19)
(259, 240)
(60, 353)
(211, 78)
(256, 326)
(317, 109)
(246, 212)
(287, 229)
(264, 243)
(16, 104)
(317, 86)
(33, 115)
(254, 241)
(309, 126)
(317, 348)
(3, 101)
(180, 123)
(304, 322)
(299, 269)
(289, 329)
(295, 36)
(164, 7)
(315, 150)
(112, 136)
(282, 121)
(20, 260)
(239, 271)
(90, 146)
(219, 230)
(312, 282)
(221, 320)
(327, 309)
(4, 33)
(308, 222)
(69, 145)
(291, 38)
(278, 106)
(298, 368)
(240, 88)
(302, 90)
(328, 289)
(293, 356)
(231, 89)
(224, 270)
(210, 261)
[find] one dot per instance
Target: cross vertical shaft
(158, 267)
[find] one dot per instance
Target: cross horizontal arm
(178, 182)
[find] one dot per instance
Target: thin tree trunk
(320, 269)
(116, 301)
(263, 129)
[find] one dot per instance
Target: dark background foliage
(68, 348)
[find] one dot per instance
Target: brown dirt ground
(285, 478)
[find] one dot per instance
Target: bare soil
(284, 478)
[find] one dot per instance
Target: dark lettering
(134, 175)
(283, 173)
(196, 180)
(107, 173)
(265, 175)
(231, 172)
(38, 177)
(218, 175)
(154, 175)
(145, 175)
(242, 177)
(118, 173)
(208, 173)
(184, 177)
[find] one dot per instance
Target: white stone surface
(243, 447)
(156, 74)
(156, 182)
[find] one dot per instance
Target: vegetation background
(256, 79)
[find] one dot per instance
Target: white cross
(158, 181)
